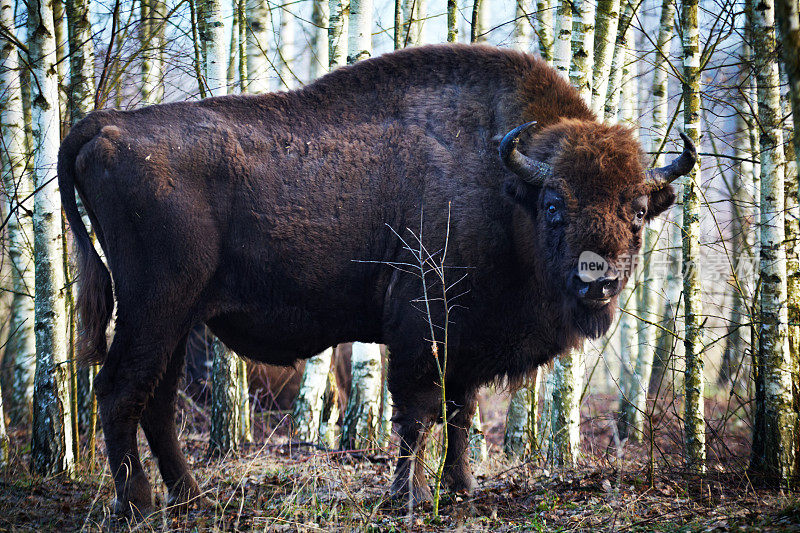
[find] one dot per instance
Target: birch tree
(479, 22)
(307, 410)
(330, 412)
(565, 391)
(523, 27)
(360, 36)
(151, 34)
(18, 182)
(583, 50)
(225, 420)
(544, 29)
(5, 442)
(259, 35)
(452, 21)
(623, 57)
(362, 416)
(775, 420)
(320, 18)
(788, 20)
(562, 48)
(672, 284)
(52, 443)
(605, 37)
(286, 42)
(478, 452)
(694, 420)
(413, 13)
(338, 35)
(521, 435)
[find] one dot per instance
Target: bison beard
(266, 217)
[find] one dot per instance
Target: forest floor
(275, 486)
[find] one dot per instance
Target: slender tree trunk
(543, 26)
(583, 50)
(360, 37)
(624, 56)
(286, 49)
(330, 412)
(21, 344)
(338, 35)
(521, 436)
(605, 37)
(565, 418)
(627, 354)
(775, 425)
(414, 13)
(694, 382)
(259, 36)
(562, 49)
(399, 25)
(452, 21)
(51, 447)
(320, 18)
(478, 452)
(151, 33)
(308, 406)
(225, 419)
(215, 57)
(241, 19)
(362, 416)
(233, 52)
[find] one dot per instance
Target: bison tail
(95, 302)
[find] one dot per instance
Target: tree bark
(605, 37)
(52, 443)
(775, 421)
(562, 48)
(259, 36)
(694, 383)
(362, 416)
(320, 18)
(286, 43)
(544, 29)
(151, 34)
(18, 181)
(338, 35)
(308, 406)
(521, 435)
(583, 50)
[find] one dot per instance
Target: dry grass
(275, 486)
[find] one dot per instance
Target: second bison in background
(272, 219)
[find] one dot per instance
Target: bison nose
(599, 290)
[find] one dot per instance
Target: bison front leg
(457, 473)
(409, 476)
(158, 423)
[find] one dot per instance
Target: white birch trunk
(452, 21)
(243, 386)
(605, 39)
(81, 58)
(152, 25)
(18, 181)
(259, 37)
(320, 18)
(627, 354)
(5, 442)
(523, 25)
(216, 58)
(286, 42)
(362, 416)
(521, 435)
(360, 36)
(414, 14)
(308, 406)
(478, 452)
(330, 412)
(694, 382)
(567, 384)
(545, 29)
(562, 49)
(623, 58)
(225, 420)
(775, 426)
(52, 443)
(338, 35)
(583, 50)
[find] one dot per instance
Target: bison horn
(530, 170)
(679, 167)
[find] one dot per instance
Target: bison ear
(661, 198)
(522, 193)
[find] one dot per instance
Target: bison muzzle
(274, 219)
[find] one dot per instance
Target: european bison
(272, 219)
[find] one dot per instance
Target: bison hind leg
(158, 423)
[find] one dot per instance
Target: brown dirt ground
(275, 486)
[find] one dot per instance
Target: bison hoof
(186, 495)
(460, 482)
(129, 509)
(420, 494)
(136, 501)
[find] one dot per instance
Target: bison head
(587, 197)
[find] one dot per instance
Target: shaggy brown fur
(268, 217)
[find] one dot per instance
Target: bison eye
(551, 208)
(640, 214)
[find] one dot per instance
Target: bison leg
(129, 376)
(409, 477)
(457, 473)
(158, 423)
